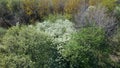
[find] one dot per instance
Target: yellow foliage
(56, 5)
(43, 7)
(71, 6)
(94, 2)
(28, 6)
(110, 4)
(9, 4)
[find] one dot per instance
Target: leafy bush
(114, 43)
(116, 40)
(110, 4)
(54, 17)
(2, 33)
(3, 8)
(117, 13)
(9, 11)
(87, 49)
(59, 29)
(27, 41)
(15, 61)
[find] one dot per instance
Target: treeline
(28, 11)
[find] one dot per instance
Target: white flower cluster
(60, 29)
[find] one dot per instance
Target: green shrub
(117, 13)
(2, 33)
(34, 42)
(10, 6)
(3, 7)
(60, 29)
(29, 42)
(110, 4)
(116, 40)
(114, 43)
(15, 61)
(54, 17)
(87, 49)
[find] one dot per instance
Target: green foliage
(110, 4)
(11, 5)
(15, 61)
(54, 17)
(2, 33)
(55, 43)
(116, 40)
(3, 7)
(87, 49)
(60, 29)
(117, 13)
(27, 41)
(114, 43)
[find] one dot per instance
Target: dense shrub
(87, 49)
(9, 10)
(96, 16)
(116, 40)
(60, 29)
(110, 4)
(27, 41)
(2, 33)
(55, 43)
(54, 17)
(71, 6)
(36, 9)
(15, 61)
(114, 43)
(117, 13)
(32, 43)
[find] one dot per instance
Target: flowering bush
(60, 29)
